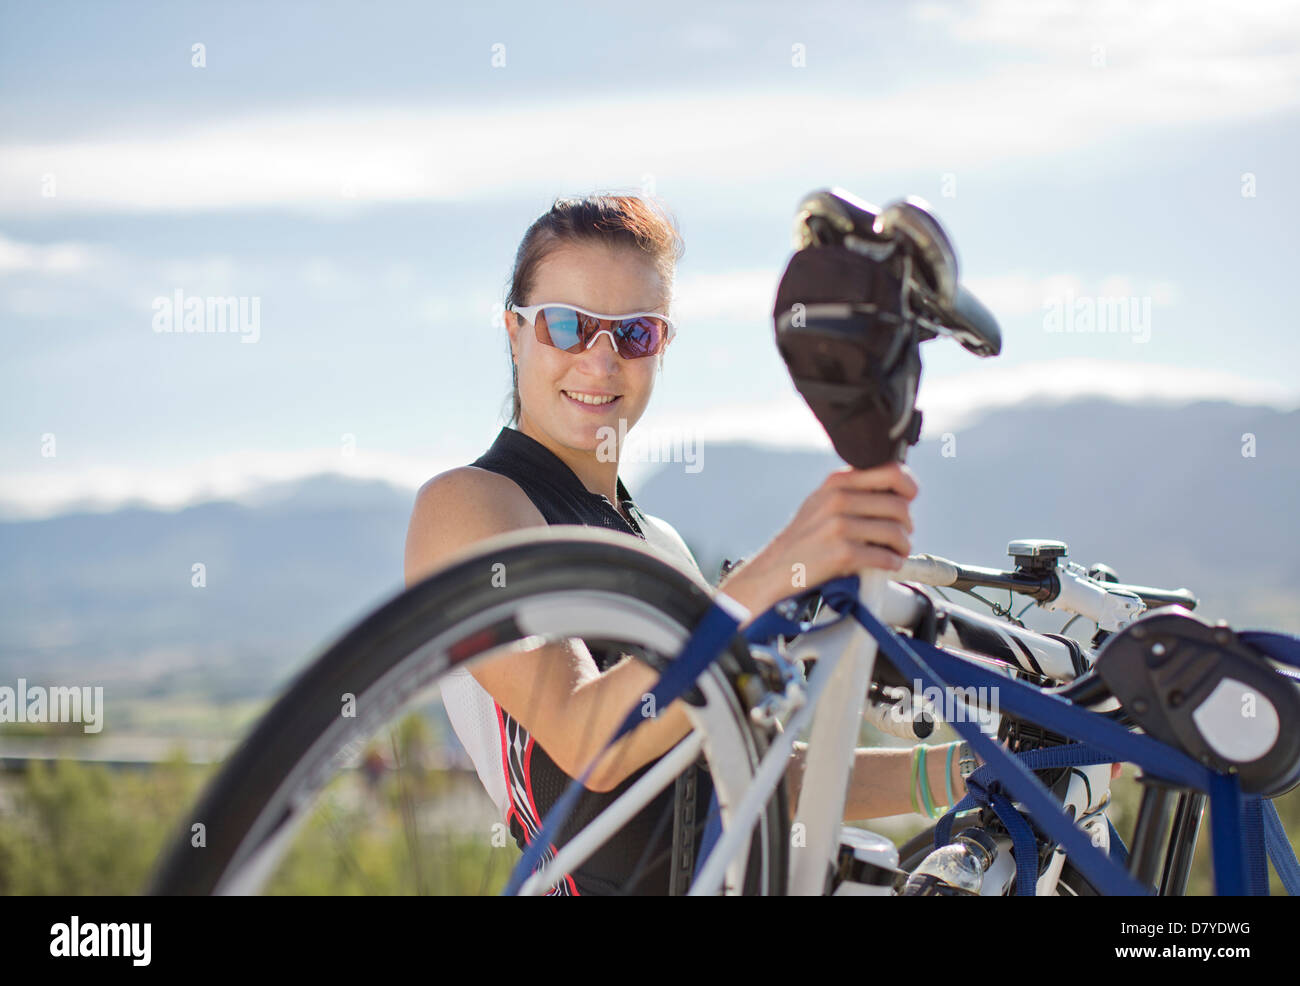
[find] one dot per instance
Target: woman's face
(618, 281)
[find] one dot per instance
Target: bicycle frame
(845, 654)
(1087, 789)
(831, 747)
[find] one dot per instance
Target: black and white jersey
(521, 778)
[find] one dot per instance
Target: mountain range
(1201, 495)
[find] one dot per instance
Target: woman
(533, 720)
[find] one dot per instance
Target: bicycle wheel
(1071, 883)
(516, 591)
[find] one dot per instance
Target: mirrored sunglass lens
(560, 326)
(640, 336)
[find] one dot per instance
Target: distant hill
(1162, 494)
(114, 590)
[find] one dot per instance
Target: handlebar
(1070, 586)
(1053, 657)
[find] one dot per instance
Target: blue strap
(709, 639)
(1284, 648)
(1228, 833)
(766, 628)
(1079, 755)
(1118, 850)
(1280, 851)
(1024, 841)
(1256, 856)
(982, 789)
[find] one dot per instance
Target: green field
(74, 828)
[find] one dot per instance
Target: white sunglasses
(575, 329)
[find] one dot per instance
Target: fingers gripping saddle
(863, 290)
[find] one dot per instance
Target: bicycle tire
(270, 781)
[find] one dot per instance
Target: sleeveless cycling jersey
(515, 769)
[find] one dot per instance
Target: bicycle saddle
(863, 289)
(834, 216)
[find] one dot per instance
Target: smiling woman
(588, 320)
(532, 721)
(608, 253)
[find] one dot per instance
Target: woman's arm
(555, 691)
(882, 779)
(572, 708)
(881, 784)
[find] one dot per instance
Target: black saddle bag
(851, 351)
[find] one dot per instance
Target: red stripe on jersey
(528, 786)
(505, 765)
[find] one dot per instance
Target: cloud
(1016, 82)
(70, 279)
(1158, 35)
(1021, 293)
(734, 295)
(951, 402)
(53, 258)
(709, 37)
(53, 490)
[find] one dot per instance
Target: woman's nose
(609, 350)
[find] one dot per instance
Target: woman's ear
(512, 331)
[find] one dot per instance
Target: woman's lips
(591, 408)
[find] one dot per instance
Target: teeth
(588, 398)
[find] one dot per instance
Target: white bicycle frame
(832, 709)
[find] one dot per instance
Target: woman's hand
(857, 519)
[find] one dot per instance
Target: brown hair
(638, 222)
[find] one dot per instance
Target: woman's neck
(595, 474)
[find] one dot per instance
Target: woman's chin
(602, 438)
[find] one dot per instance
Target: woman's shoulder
(473, 492)
(458, 508)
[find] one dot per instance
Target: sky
(360, 175)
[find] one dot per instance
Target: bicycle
(1186, 648)
(809, 662)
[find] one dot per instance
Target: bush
(79, 828)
